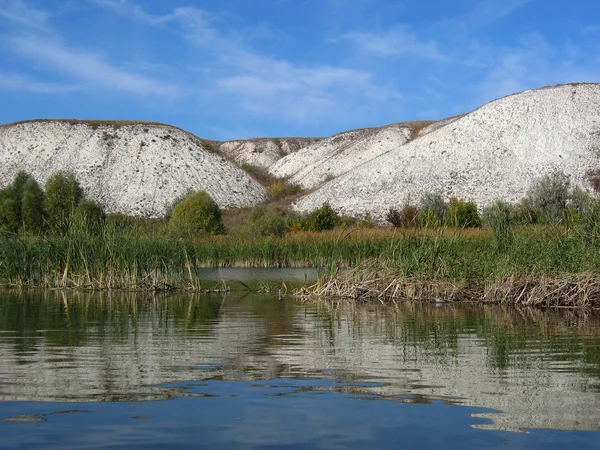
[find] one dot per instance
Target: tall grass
(129, 259)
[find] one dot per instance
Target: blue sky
(244, 68)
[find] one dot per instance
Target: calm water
(256, 371)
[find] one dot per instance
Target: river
(240, 370)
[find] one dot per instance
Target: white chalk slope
(130, 168)
(262, 152)
(338, 154)
(494, 152)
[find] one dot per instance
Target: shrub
(63, 194)
(462, 214)
(197, 214)
(323, 218)
(32, 207)
(170, 207)
(276, 190)
(264, 222)
(394, 217)
(89, 216)
(433, 210)
(549, 196)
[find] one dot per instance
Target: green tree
(32, 207)
(323, 218)
(197, 214)
(63, 194)
(10, 219)
(10, 203)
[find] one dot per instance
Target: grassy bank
(362, 264)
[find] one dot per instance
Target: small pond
(241, 370)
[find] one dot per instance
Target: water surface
(253, 371)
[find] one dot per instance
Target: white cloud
(534, 63)
(19, 13)
(22, 83)
(399, 40)
(261, 84)
(87, 67)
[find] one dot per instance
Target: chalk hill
(128, 167)
(262, 152)
(494, 152)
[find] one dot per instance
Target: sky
(233, 69)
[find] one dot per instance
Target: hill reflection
(538, 369)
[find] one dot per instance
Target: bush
(264, 222)
(276, 190)
(170, 207)
(394, 217)
(548, 197)
(32, 207)
(462, 214)
(197, 214)
(323, 218)
(63, 194)
(433, 210)
(90, 217)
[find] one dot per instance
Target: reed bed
(365, 264)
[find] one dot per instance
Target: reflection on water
(535, 369)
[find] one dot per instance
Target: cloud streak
(22, 83)
(264, 85)
(399, 40)
(40, 44)
(17, 12)
(87, 67)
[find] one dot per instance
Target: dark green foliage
(198, 214)
(32, 207)
(394, 217)
(323, 218)
(19, 182)
(462, 214)
(264, 222)
(89, 217)
(63, 194)
(10, 219)
(432, 210)
(10, 203)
